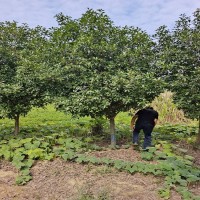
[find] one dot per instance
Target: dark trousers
(147, 129)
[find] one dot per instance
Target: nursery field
(57, 156)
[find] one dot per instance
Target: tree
(179, 52)
(109, 67)
(20, 88)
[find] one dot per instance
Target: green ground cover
(47, 134)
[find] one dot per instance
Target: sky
(145, 14)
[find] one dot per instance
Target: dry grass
(168, 112)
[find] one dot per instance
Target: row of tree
(89, 66)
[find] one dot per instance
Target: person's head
(149, 107)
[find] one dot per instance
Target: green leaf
(18, 157)
(151, 149)
(28, 163)
(14, 144)
(88, 139)
(26, 140)
(182, 182)
(147, 155)
(192, 178)
(36, 153)
(44, 145)
(81, 159)
(93, 160)
(131, 169)
(68, 155)
(18, 164)
(58, 150)
(49, 156)
(160, 155)
(20, 150)
(25, 172)
(7, 154)
(107, 161)
(21, 180)
(164, 193)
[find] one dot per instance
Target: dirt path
(60, 180)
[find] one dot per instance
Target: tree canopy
(20, 88)
(179, 52)
(95, 68)
(109, 67)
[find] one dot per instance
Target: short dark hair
(149, 107)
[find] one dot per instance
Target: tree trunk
(16, 124)
(198, 136)
(112, 131)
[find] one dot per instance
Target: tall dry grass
(167, 109)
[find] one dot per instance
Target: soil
(61, 180)
(192, 151)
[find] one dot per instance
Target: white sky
(145, 14)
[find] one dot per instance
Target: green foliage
(23, 152)
(50, 141)
(177, 169)
(93, 55)
(146, 155)
(170, 132)
(20, 87)
(23, 179)
(116, 71)
(178, 61)
(164, 193)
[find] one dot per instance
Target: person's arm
(133, 121)
(156, 119)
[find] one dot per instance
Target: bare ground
(60, 180)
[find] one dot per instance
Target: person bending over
(145, 119)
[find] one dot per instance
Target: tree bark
(198, 136)
(16, 124)
(112, 131)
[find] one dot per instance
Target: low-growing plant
(70, 141)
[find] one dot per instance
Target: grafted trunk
(16, 124)
(112, 131)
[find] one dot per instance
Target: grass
(43, 116)
(49, 117)
(44, 120)
(53, 127)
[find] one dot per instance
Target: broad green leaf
(36, 153)
(18, 164)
